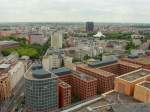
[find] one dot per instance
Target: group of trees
(130, 46)
(119, 35)
(33, 51)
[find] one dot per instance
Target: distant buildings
(57, 40)
(37, 38)
(99, 35)
(41, 90)
(9, 44)
(89, 26)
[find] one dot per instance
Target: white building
(99, 35)
(56, 40)
(51, 61)
(16, 73)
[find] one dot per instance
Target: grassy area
(33, 51)
(22, 51)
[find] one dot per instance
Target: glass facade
(41, 95)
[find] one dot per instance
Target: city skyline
(125, 11)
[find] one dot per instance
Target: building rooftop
(146, 84)
(83, 76)
(2, 43)
(37, 73)
(61, 71)
(141, 60)
(103, 62)
(135, 75)
(129, 64)
(96, 70)
(134, 107)
(5, 66)
(110, 98)
(64, 84)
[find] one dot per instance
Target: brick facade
(106, 75)
(64, 94)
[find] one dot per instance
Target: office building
(142, 91)
(143, 61)
(51, 61)
(41, 90)
(126, 83)
(82, 85)
(9, 44)
(37, 38)
(89, 26)
(64, 94)
(57, 40)
(105, 72)
(16, 73)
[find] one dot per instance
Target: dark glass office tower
(89, 26)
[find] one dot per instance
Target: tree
(86, 57)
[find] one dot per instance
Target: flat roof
(3, 66)
(61, 71)
(141, 60)
(64, 84)
(135, 75)
(96, 70)
(8, 42)
(146, 84)
(29, 75)
(134, 107)
(83, 76)
(110, 98)
(102, 63)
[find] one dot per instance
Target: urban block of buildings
(11, 72)
(105, 73)
(37, 38)
(82, 85)
(143, 61)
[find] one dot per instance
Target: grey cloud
(75, 10)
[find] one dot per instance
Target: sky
(136, 11)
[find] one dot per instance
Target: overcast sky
(75, 10)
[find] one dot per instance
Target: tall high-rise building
(41, 91)
(89, 26)
(57, 40)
